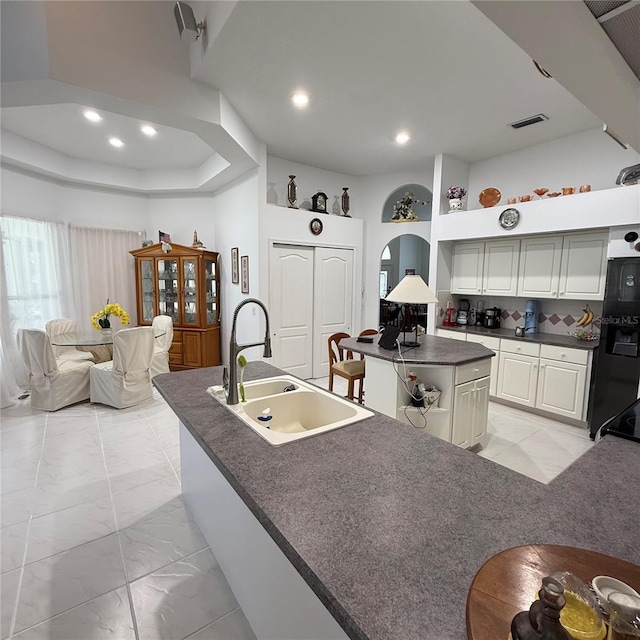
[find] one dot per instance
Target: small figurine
(196, 243)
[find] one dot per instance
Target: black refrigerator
(614, 382)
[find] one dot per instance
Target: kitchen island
(460, 372)
(388, 525)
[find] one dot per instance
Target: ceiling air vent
(527, 121)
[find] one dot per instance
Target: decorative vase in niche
(455, 204)
(292, 193)
(346, 202)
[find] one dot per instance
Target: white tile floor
(96, 542)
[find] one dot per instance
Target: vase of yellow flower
(101, 320)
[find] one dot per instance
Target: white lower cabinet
(470, 411)
(561, 388)
(518, 378)
(494, 344)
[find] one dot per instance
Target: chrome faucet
(235, 349)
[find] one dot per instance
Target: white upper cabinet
(583, 269)
(539, 273)
(467, 268)
(501, 268)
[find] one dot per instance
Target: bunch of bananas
(587, 318)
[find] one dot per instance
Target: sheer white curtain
(103, 268)
(36, 285)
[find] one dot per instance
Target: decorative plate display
(509, 218)
(316, 226)
(489, 197)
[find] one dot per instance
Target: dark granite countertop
(432, 350)
(540, 338)
(388, 525)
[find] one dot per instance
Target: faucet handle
(225, 378)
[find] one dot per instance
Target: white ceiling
(64, 128)
(437, 68)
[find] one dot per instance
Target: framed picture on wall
(235, 278)
(244, 269)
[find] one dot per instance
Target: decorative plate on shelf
(489, 197)
(509, 218)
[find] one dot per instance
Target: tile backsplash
(555, 316)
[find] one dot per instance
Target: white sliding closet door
(333, 302)
(291, 308)
(310, 298)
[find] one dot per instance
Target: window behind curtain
(36, 286)
(103, 268)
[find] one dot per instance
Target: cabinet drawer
(176, 348)
(473, 371)
(175, 358)
(523, 348)
(577, 356)
(453, 335)
(490, 342)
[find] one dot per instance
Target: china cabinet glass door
(211, 291)
(190, 289)
(146, 286)
(168, 289)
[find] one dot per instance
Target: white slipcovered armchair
(54, 383)
(66, 325)
(125, 380)
(163, 329)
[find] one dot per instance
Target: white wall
(35, 197)
(590, 157)
(309, 181)
(374, 192)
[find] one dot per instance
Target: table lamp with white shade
(412, 289)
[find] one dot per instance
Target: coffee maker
(463, 312)
(480, 314)
(492, 318)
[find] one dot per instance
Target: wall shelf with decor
(184, 284)
(591, 210)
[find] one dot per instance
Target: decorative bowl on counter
(588, 336)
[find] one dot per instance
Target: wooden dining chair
(341, 363)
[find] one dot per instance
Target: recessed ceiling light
(116, 142)
(148, 130)
(300, 99)
(403, 137)
(92, 116)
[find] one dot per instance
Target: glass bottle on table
(624, 621)
(542, 621)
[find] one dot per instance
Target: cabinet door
(147, 303)
(539, 272)
(190, 292)
(191, 349)
(466, 270)
(518, 378)
(211, 291)
(561, 388)
(501, 268)
(480, 409)
(168, 289)
(463, 406)
(491, 343)
(583, 269)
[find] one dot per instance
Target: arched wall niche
(406, 253)
(423, 201)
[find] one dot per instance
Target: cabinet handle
(554, 293)
(542, 366)
(535, 366)
(518, 348)
(476, 370)
(563, 355)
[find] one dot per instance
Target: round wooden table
(509, 583)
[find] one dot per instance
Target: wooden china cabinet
(183, 284)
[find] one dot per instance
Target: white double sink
(281, 416)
